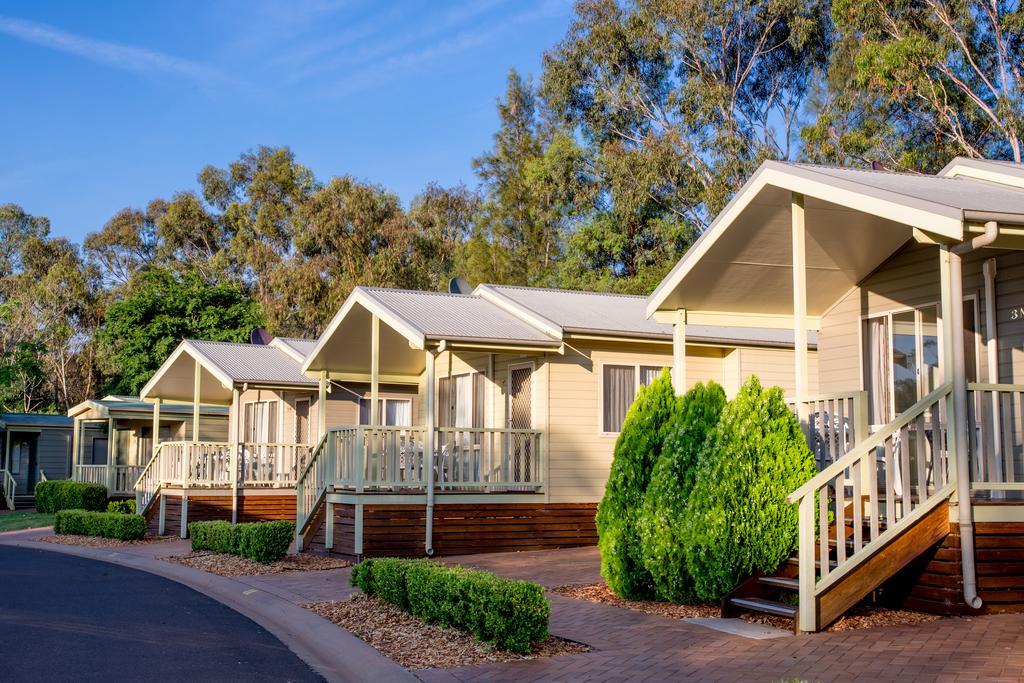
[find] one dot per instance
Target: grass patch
(25, 519)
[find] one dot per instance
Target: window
(394, 412)
(260, 422)
(619, 386)
(460, 401)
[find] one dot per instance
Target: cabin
(515, 394)
(913, 285)
(36, 447)
(112, 437)
(511, 399)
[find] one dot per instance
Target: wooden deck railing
(7, 487)
(150, 481)
(312, 483)
(271, 464)
(995, 427)
(197, 463)
(489, 459)
(899, 473)
(91, 474)
(834, 423)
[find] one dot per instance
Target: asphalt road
(66, 618)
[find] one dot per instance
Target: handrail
(151, 470)
(903, 468)
(9, 486)
(42, 477)
(869, 444)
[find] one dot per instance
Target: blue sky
(111, 104)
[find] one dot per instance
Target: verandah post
(679, 353)
(800, 305)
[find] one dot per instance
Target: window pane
(364, 410)
(463, 400)
(649, 373)
(930, 349)
(876, 363)
(398, 412)
(904, 360)
(619, 390)
(970, 341)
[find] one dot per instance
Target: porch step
(782, 582)
(24, 501)
(771, 607)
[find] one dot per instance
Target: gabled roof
(229, 364)
(858, 217)
(12, 420)
(125, 405)
(988, 170)
(297, 348)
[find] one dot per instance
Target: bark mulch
(233, 565)
(416, 644)
(600, 592)
(98, 542)
(860, 617)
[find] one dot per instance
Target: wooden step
(776, 609)
(786, 583)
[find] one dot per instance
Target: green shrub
(264, 542)
(663, 516)
(104, 524)
(61, 494)
(648, 422)
(124, 507)
(737, 518)
(509, 614)
(219, 537)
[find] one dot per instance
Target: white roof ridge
(566, 291)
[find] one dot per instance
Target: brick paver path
(632, 646)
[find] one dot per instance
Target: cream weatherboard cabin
(914, 285)
(514, 394)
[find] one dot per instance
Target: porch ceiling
(175, 382)
(348, 348)
(749, 270)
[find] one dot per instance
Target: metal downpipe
(963, 474)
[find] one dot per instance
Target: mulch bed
(415, 644)
(232, 565)
(600, 592)
(99, 542)
(860, 617)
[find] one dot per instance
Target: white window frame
(280, 417)
(636, 365)
(384, 409)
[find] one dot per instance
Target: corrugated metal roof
(35, 420)
(590, 312)
(963, 194)
(624, 315)
(302, 347)
(457, 316)
(253, 362)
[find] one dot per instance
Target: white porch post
(375, 372)
(800, 306)
(197, 380)
(111, 454)
(76, 443)
(156, 426)
(679, 353)
(233, 454)
(428, 446)
(321, 405)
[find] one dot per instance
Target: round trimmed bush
(638, 447)
(663, 517)
(61, 494)
(737, 520)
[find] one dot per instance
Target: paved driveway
(66, 618)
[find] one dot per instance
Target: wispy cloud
(116, 55)
(404, 63)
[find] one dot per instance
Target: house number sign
(1017, 313)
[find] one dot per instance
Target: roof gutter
(963, 477)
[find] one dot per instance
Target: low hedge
(263, 542)
(56, 495)
(123, 507)
(104, 524)
(509, 614)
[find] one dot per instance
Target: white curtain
(876, 356)
(619, 390)
(398, 412)
(649, 373)
(463, 400)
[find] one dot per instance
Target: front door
(520, 416)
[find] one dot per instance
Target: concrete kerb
(330, 650)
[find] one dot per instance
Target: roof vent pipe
(963, 474)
